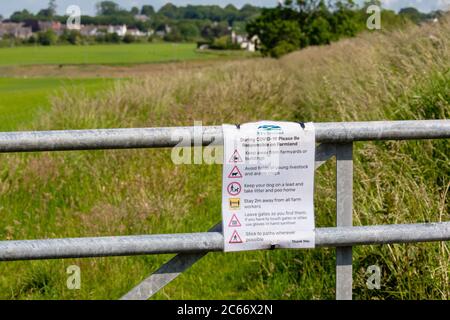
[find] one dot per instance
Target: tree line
(187, 23)
(297, 24)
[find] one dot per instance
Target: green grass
(21, 100)
(104, 54)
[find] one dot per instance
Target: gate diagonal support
(181, 262)
(166, 273)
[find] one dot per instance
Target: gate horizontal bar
(331, 132)
(209, 241)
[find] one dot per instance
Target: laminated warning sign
(268, 186)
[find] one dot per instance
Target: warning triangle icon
(235, 238)
(236, 157)
(235, 173)
(234, 222)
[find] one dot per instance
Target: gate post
(344, 207)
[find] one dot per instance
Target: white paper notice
(268, 186)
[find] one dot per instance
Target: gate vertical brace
(344, 208)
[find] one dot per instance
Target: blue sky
(88, 6)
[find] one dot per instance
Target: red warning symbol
(234, 188)
(236, 157)
(234, 222)
(235, 238)
(235, 173)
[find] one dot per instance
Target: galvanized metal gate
(336, 140)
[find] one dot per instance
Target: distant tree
(391, 20)
(189, 30)
(100, 38)
(44, 14)
(278, 31)
(239, 26)
(283, 47)
(169, 10)
(230, 8)
(143, 25)
(47, 38)
(134, 11)
(107, 8)
(231, 14)
(147, 10)
(32, 39)
(412, 13)
(215, 30)
(248, 11)
(346, 20)
(112, 37)
(193, 12)
(48, 13)
(52, 7)
(71, 36)
(223, 43)
(216, 13)
(296, 24)
(21, 16)
(319, 31)
(174, 35)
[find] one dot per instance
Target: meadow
(23, 100)
(391, 76)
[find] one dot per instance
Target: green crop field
(105, 54)
(21, 100)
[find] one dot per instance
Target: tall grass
(396, 76)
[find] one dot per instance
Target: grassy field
(398, 76)
(119, 54)
(22, 100)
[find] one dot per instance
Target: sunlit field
(121, 54)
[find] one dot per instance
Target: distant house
(137, 33)
(251, 44)
(90, 31)
(162, 31)
(16, 30)
(120, 30)
(55, 26)
(236, 38)
(245, 43)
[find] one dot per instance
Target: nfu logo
(269, 128)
